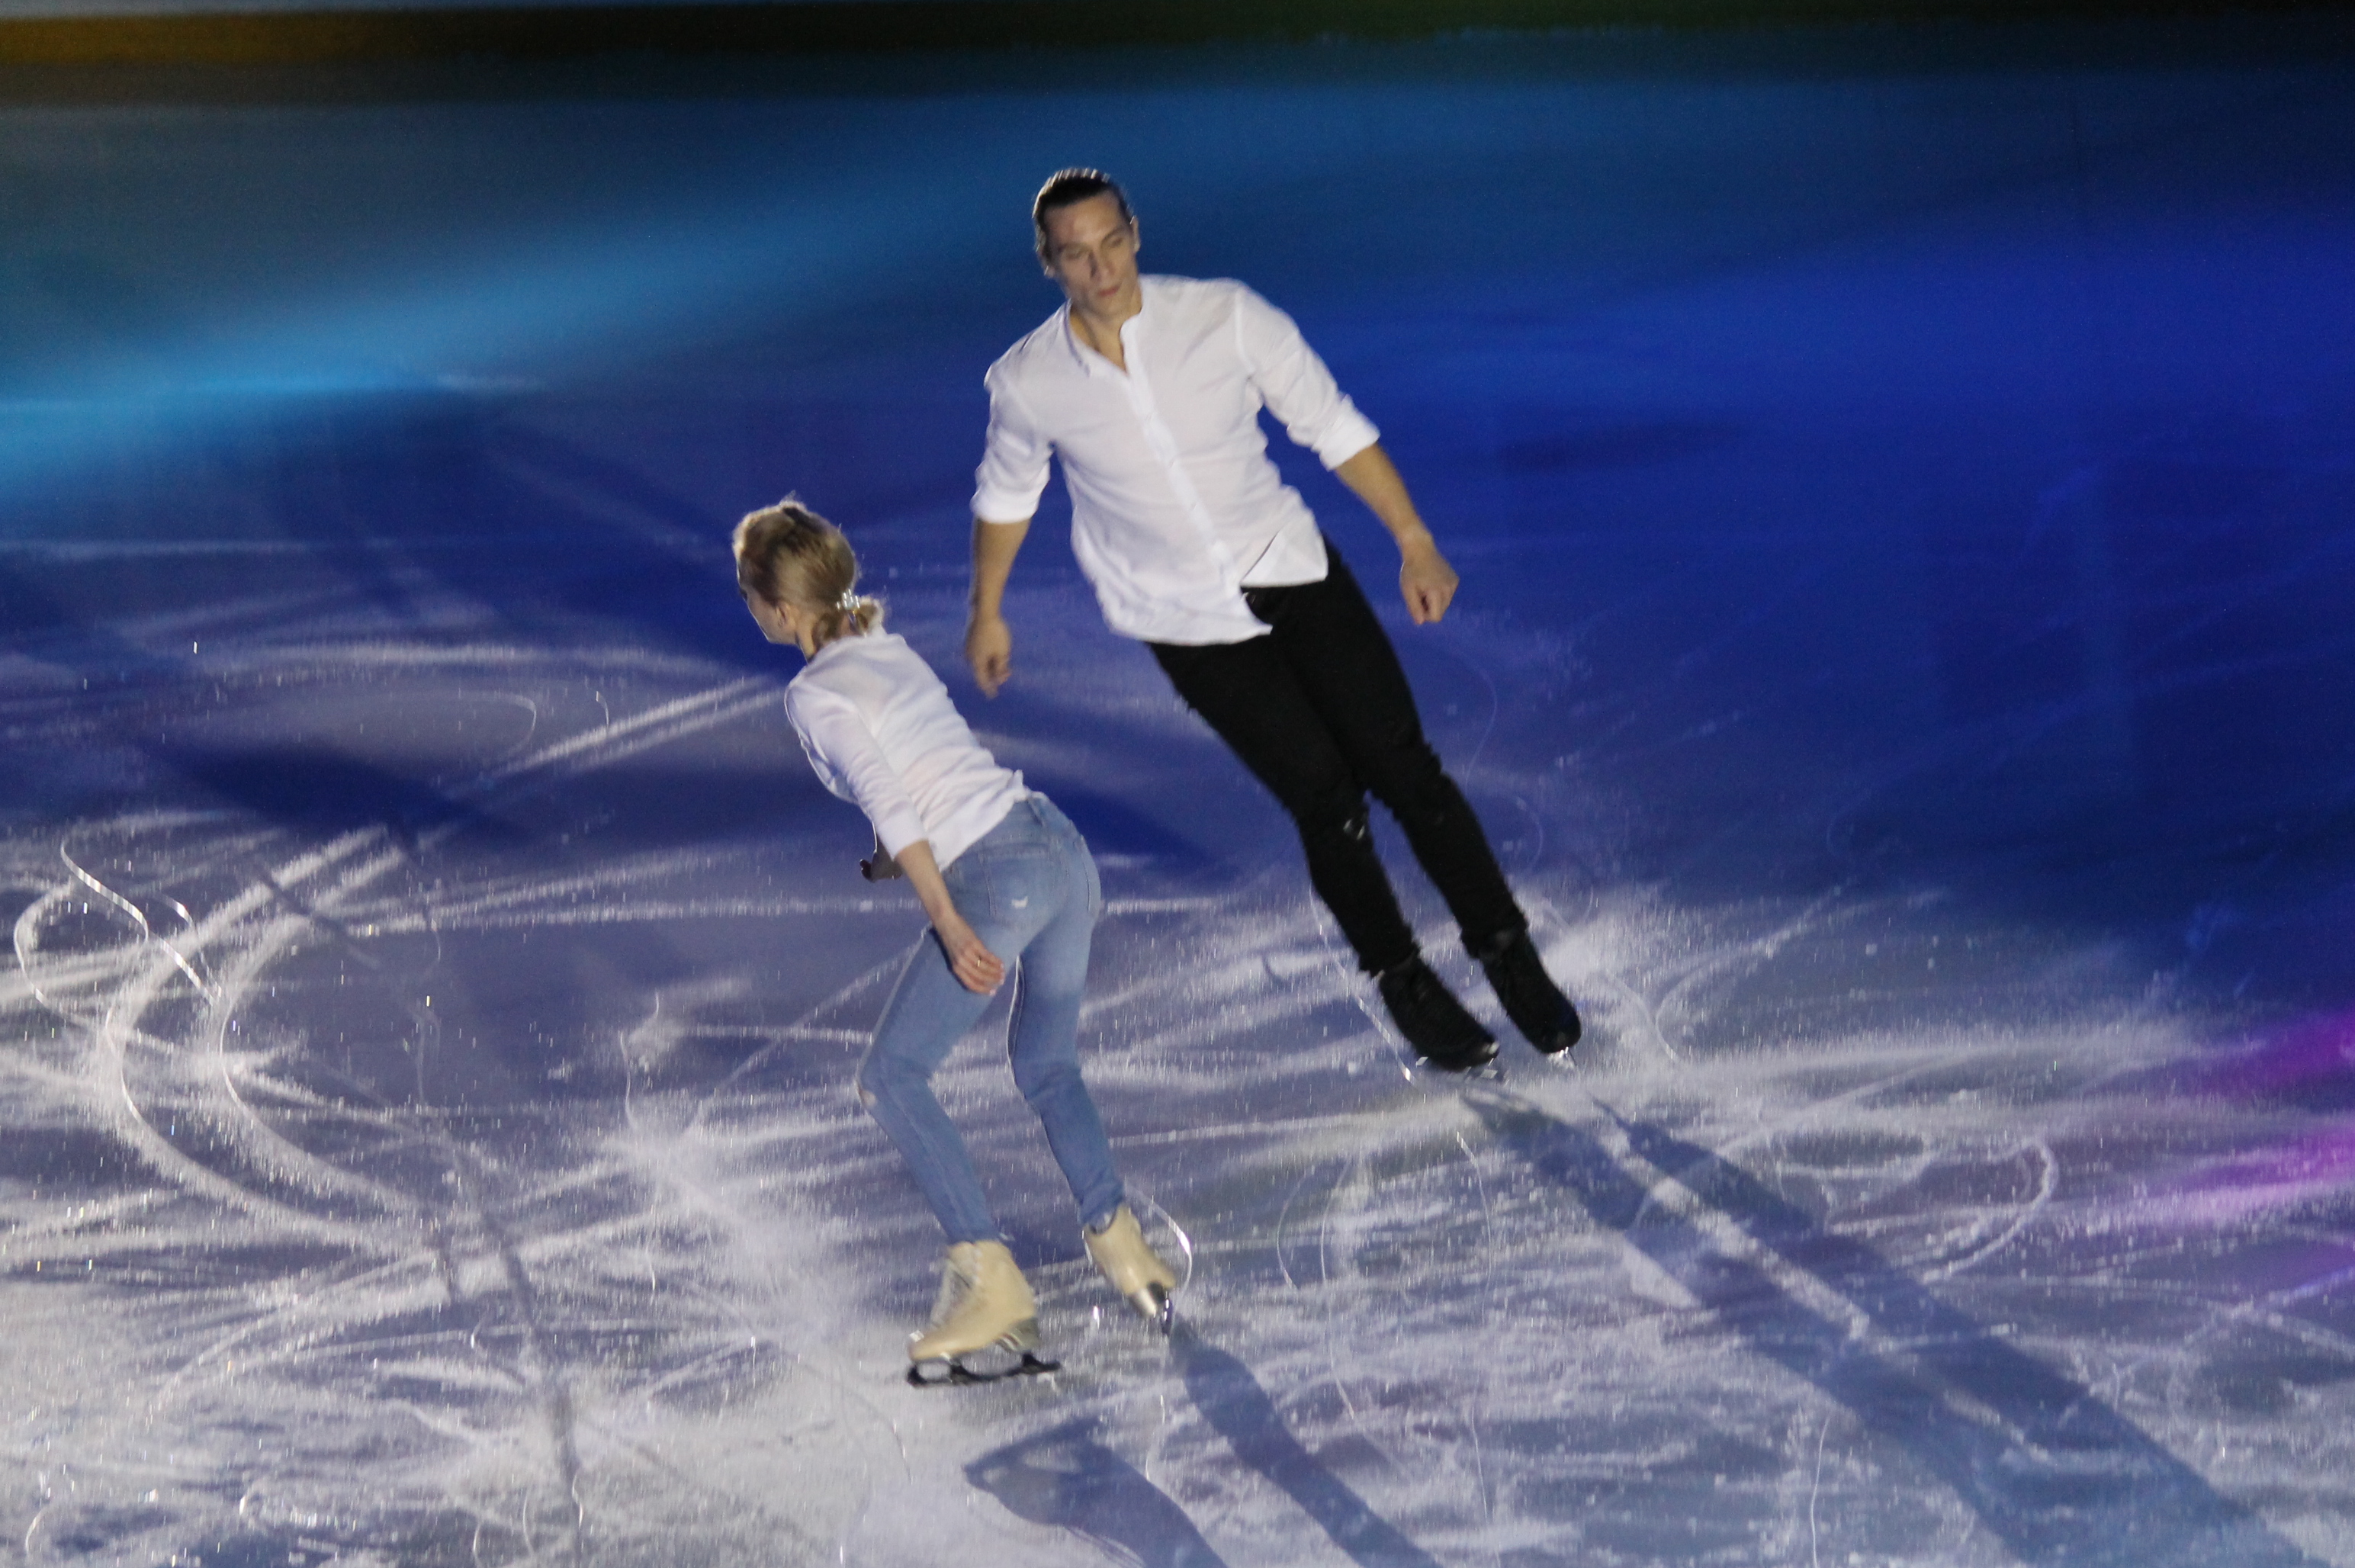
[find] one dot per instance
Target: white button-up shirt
(1176, 508)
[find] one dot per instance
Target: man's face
(1091, 252)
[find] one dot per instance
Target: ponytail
(787, 554)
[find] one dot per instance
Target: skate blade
(990, 1366)
(1155, 1306)
(1489, 1070)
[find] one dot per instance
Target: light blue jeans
(1029, 889)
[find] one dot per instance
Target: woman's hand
(974, 966)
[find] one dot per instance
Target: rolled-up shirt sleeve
(1013, 460)
(843, 752)
(1295, 386)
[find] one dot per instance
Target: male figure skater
(1149, 389)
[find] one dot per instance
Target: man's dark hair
(1069, 187)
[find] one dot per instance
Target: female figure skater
(1003, 876)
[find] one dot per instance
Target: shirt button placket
(1164, 446)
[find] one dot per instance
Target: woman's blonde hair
(787, 554)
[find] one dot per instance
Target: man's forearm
(988, 642)
(1375, 480)
(995, 545)
(1426, 582)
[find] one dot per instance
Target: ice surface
(1902, 660)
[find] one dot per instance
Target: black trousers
(1321, 713)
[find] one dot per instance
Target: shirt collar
(843, 640)
(1087, 358)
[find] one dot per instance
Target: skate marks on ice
(1924, 1290)
(571, 1299)
(584, 1318)
(2054, 1473)
(302, 1221)
(1067, 1477)
(1508, 1322)
(596, 1310)
(1232, 1401)
(587, 1315)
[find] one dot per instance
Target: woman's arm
(840, 746)
(975, 966)
(880, 867)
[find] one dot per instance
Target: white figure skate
(984, 1326)
(1135, 1269)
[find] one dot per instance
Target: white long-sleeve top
(1176, 508)
(881, 732)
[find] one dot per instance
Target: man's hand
(989, 649)
(1425, 579)
(988, 640)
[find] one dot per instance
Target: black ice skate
(1532, 999)
(1433, 1020)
